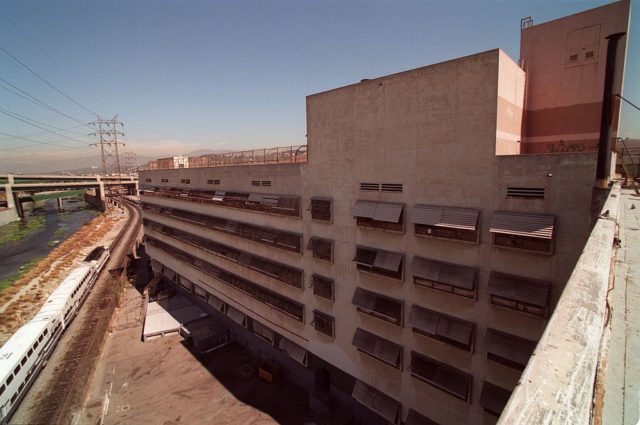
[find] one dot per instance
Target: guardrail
(278, 155)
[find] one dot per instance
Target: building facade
(408, 266)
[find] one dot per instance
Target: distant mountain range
(83, 165)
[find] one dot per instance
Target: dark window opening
(322, 248)
(321, 209)
(379, 306)
(442, 376)
(323, 287)
(385, 263)
(323, 323)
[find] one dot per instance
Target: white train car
(24, 355)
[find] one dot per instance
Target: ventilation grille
(370, 186)
(392, 187)
(266, 183)
(525, 192)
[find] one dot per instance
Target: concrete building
(406, 264)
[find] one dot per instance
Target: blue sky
(189, 75)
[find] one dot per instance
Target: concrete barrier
(557, 386)
(8, 215)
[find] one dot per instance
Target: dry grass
(24, 298)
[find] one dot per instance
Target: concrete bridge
(16, 186)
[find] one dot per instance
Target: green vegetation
(52, 195)
(17, 230)
(8, 281)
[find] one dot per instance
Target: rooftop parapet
(277, 155)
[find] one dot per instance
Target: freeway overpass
(18, 186)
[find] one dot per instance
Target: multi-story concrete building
(405, 263)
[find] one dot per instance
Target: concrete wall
(511, 85)
(8, 215)
(564, 96)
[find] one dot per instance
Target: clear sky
(190, 75)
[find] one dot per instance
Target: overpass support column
(18, 205)
(8, 193)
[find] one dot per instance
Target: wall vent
(266, 183)
(370, 186)
(525, 192)
(392, 187)
(255, 183)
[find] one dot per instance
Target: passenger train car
(26, 352)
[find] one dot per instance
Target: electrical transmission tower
(108, 133)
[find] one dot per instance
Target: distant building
(408, 265)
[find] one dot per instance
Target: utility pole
(108, 133)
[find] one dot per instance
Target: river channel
(58, 224)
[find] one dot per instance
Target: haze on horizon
(193, 76)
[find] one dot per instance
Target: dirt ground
(25, 297)
(162, 382)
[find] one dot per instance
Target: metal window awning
(530, 225)
(364, 209)
(388, 261)
(263, 331)
(199, 290)
(237, 316)
(437, 324)
(270, 200)
(509, 347)
(216, 302)
(516, 288)
(364, 299)
(388, 212)
(447, 377)
(447, 273)
(377, 346)
(316, 243)
(456, 218)
(377, 401)
(254, 197)
(415, 418)
(156, 266)
(494, 398)
(293, 350)
(427, 215)
(218, 196)
(365, 256)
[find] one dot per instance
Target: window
(493, 398)
(164, 180)
(573, 57)
(450, 330)
(213, 181)
(385, 263)
(200, 293)
(216, 303)
(508, 349)
(378, 306)
(23, 361)
(446, 222)
(323, 323)
(379, 215)
(589, 54)
(16, 370)
(525, 192)
(263, 332)
(527, 232)
(323, 287)
(519, 293)
(377, 347)
(266, 296)
(147, 180)
(293, 350)
(442, 376)
(377, 401)
(185, 181)
(2, 388)
(321, 209)
(446, 277)
(322, 248)
(237, 316)
(9, 378)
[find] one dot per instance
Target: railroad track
(82, 347)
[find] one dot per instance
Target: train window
(23, 361)
(46, 332)
(30, 352)
(21, 387)
(40, 339)
(35, 345)
(9, 379)
(2, 387)
(13, 399)
(16, 370)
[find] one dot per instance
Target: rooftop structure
(408, 267)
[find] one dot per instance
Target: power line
(35, 100)
(42, 123)
(46, 82)
(40, 142)
(2, 111)
(628, 101)
(40, 134)
(43, 153)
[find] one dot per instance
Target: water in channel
(58, 224)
